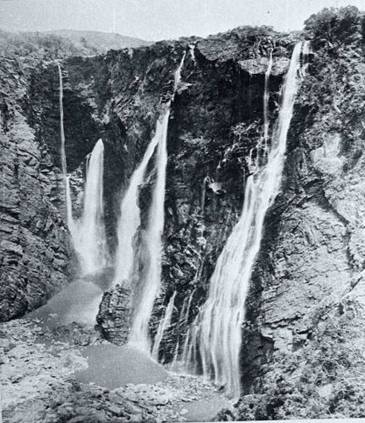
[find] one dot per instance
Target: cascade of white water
(88, 232)
(130, 218)
(218, 336)
(163, 325)
(139, 331)
(156, 219)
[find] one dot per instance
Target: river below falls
(42, 365)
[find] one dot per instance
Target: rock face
(113, 319)
(35, 248)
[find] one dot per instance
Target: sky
(160, 19)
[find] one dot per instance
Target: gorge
(196, 203)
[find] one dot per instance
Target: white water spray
(164, 324)
(88, 232)
(130, 217)
(218, 337)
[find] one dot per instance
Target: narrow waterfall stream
(217, 335)
(88, 232)
(266, 101)
(69, 219)
(164, 324)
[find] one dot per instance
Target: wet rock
(113, 318)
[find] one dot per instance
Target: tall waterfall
(218, 333)
(88, 232)
(164, 324)
(130, 218)
(69, 219)
(156, 219)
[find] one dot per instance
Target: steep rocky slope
(35, 249)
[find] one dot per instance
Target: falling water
(139, 331)
(164, 324)
(88, 232)
(62, 130)
(192, 53)
(70, 222)
(266, 100)
(130, 218)
(305, 54)
(182, 322)
(218, 337)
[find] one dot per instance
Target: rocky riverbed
(42, 369)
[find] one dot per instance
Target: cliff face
(305, 305)
(35, 247)
(302, 340)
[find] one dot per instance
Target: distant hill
(62, 43)
(102, 41)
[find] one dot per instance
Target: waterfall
(192, 53)
(183, 322)
(130, 218)
(218, 334)
(266, 101)
(164, 324)
(62, 130)
(156, 219)
(69, 218)
(305, 54)
(88, 232)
